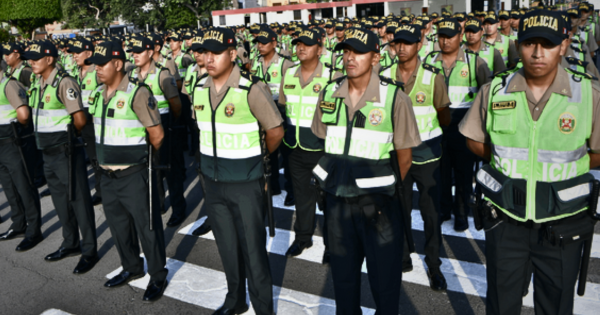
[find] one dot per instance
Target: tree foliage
(27, 15)
(87, 13)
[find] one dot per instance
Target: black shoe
(123, 278)
(174, 221)
(437, 282)
(155, 291)
(275, 191)
(225, 311)
(445, 217)
(326, 257)
(28, 243)
(460, 223)
(10, 234)
(45, 193)
(86, 264)
(39, 182)
(297, 248)
(96, 200)
(202, 229)
(63, 253)
(289, 200)
(407, 266)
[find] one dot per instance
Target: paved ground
(29, 285)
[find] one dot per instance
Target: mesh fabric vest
(50, 116)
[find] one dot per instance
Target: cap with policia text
(460, 16)
(503, 15)
(38, 51)
(448, 27)
(410, 33)
(491, 18)
(361, 40)
(574, 12)
(80, 46)
(265, 36)
(105, 52)
(12, 47)
(140, 44)
(339, 26)
(197, 41)
(473, 25)
(542, 24)
(308, 37)
(391, 27)
(218, 39)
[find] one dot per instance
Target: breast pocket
(504, 121)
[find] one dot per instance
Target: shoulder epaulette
(581, 74)
(433, 53)
(284, 56)
(135, 81)
(385, 81)
(431, 68)
(468, 51)
(62, 73)
(505, 72)
(575, 61)
(158, 66)
(248, 76)
(338, 80)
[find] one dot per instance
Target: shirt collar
(371, 94)
(560, 85)
(233, 80)
(51, 77)
(317, 73)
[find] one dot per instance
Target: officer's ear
(119, 65)
(563, 46)
(232, 53)
(419, 46)
(375, 58)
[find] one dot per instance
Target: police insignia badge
(420, 97)
(151, 102)
(464, 72)
(72, 94)
(88, 82)
(229, 110)
(120, 103)
(274, 74)
(375, 117)
(47, 99)
(566, 123)
(317, 88)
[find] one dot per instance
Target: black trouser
(301, 164)
(352, 237)
(75, 214)
(287, 173)
(23, 198)
(510, 250)
(274, 179)
(457, 160)
(89, 137)
(427, 177)
(171, 153)
(237, 216)
(127, 213)
(190, 126)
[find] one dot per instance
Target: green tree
(27, 15)
(87, 13)
(202, 8)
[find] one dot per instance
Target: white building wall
(234, 19)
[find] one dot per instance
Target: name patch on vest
(289, 86)
(327, 105)
(199, 107)
(504, 105)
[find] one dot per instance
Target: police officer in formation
(365, 109)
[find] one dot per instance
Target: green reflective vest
(300, 105)
(357, 159)
(272, 77)
(576, 59)
(230, 147)
(179, 64)
(153, 81)
(386, 60)
(17, 73)
(191, 77)
(503, 46)
(486, 53)
(462, 83)
(539, 169)
(88, 84)
(120, 135)
(7, 113)
(426, 49)
(50, 114)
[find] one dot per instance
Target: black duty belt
(55, 150)
(123, 173)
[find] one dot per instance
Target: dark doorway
(326, 13)
(369, 9)
(247, 20)
(477, 5)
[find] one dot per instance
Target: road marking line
(54, 311)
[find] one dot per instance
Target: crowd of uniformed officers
(366, 110)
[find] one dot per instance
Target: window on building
(297, 15)
(222, 20)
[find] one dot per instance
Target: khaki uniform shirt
(298, 74)
(512, 48)
(473, 126)
(69, 92)
(260, 101)
(170, 64)
(90, 69)
(482, 72)
(440, 90)
(286, 64)
(15, 93)
(499, 64)
(590, 68)
(25, 77)
(167, 83)
(406, 131)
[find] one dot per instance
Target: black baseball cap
(197, 41)
(105, 52)
(42, 49)
(553, 30)
(460, 16)
(140, 44)
(584, 7)
(449, 27)
(12, 47)
(491, 18)
(503, 15)
(309, 37)
(574, 12)
(218, 39)
(339, 26)
(157, 39)
(81, 45)
(391, 26)
(362, 40)
(265, 36)
(174, 36)
(255, 29)
(515, 14)
(473, 25)
(409, 32)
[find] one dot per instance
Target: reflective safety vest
(273, 75)
(153, 81)
(503, 47)
(539, 169)
(120, 135)
(179, 64)
(576, 59)
(327, 57)
(588, 31)
(230, 147)
(357, 151)
(300, 104)
(87, 85)
(462, 83)
(33, 88)
(51, 117)
(17, 73)
(191, 77)
(386, 60)
(7, 113)
(426, 49)
(487, 54)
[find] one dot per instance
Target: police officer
(356, 174)
(165, 62)
(56, 105)
(164, 89)
(85, 75)
(577, 55)
(535, 128)
(129, 120)
(240, 108)
(589, 29)
(464, 73)
(503, 43)
(299, 91)
(487, 52)
(505, 19)
(429, 96)
(16, 67)
(15, 171)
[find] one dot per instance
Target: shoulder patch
(431, 68)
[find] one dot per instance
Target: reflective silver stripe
(53, 128)
(85, 95)
(229, 128)
(305, 123)
(52, 112)
(373, 182)
(461, 104)
(122, 141)
(431, 134)
(319, 171)
(292, 98)
(231, 154)
(575, 91)
(121, 123)
(360, 134)
(485, 179)
(7, 121)
(159, 98)
(6, 107)
(547, 156)
(510, 153)
(163, 110)
(578, 191)
(423, 110)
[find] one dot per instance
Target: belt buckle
(111, 174)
